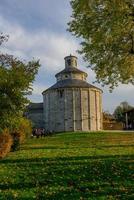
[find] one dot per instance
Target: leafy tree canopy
(106, 28)
(119, 111)
(16, 78)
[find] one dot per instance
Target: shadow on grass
(67, 159)
(73, 177)
(82, 147)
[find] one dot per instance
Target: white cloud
(39, 88)
(49, 47)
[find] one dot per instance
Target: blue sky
(37, 29)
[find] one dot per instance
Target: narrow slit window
(69, 62)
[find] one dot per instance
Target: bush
(21, 132)
(12, 139)
(5, 143)
(17, 140)
(25, 127)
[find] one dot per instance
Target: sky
(38, 29)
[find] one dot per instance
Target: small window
(69, 62)
(61, 93)
(66, 76)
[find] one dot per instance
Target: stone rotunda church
(71, 104)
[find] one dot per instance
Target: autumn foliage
(11, 140)
(6, 142)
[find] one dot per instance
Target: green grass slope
(70, 166)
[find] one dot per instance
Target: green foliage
(16, 78)
(25, 126)
(16, 141)
(119, 111)
(107, 30)
(21, 131)
(3, 38)
(71, 166)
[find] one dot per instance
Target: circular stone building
(72, 104)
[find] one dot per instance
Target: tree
(107, 116)
(16, 78)
(106, 28)
(119, 111)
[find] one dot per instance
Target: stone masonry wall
(74, 109)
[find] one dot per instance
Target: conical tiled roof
(71, 83)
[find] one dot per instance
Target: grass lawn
(70, 166)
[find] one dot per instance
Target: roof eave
(74, 72)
